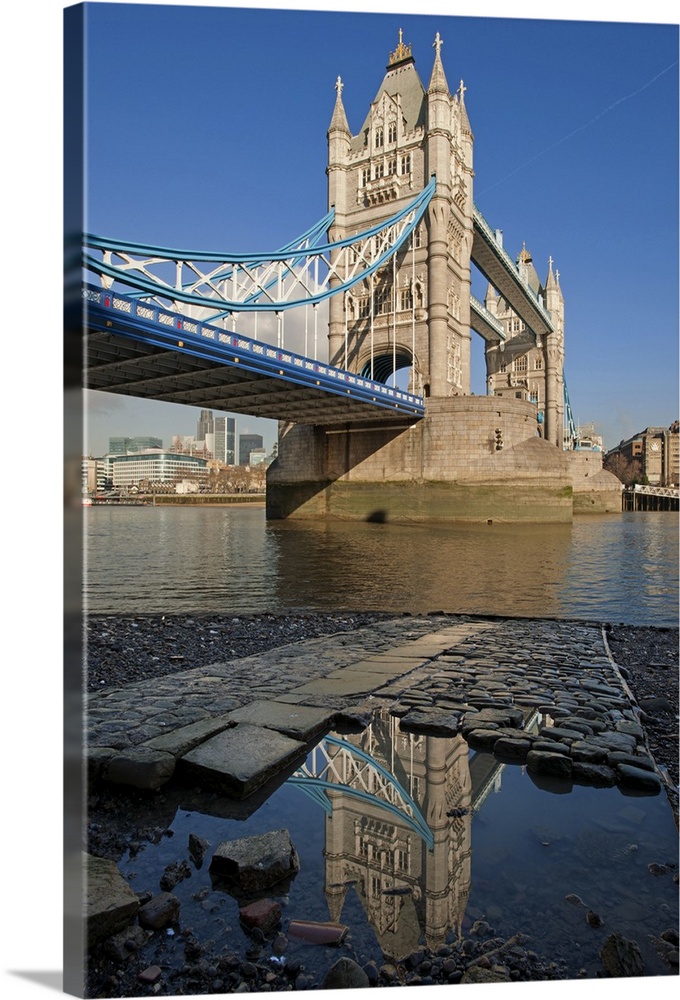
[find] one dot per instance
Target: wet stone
(514, 749)
(257, 862)
(638, 778)
(549, 763)
(240, 760)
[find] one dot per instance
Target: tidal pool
(412, 840)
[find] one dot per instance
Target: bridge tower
(526, 366)
(415, 311)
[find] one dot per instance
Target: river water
(231, 560)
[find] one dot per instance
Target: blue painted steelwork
(148, 323)
(299, 274)
(316, 786)
(510, 267)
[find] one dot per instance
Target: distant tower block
(415, 312)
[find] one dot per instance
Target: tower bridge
(392, 261)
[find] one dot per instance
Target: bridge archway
(394, 366)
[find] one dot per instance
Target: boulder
(256, 863)
(264, 914)
(345, 974)
(621, 957)
(110, 903)
(159, 912)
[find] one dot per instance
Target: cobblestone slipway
(543, 693)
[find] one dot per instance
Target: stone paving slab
(300, 722)
(238, 761)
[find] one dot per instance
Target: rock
(345, 974)
(594, 774)
(512, 749)
(594, 919)
(264, 914)
(151, 975)
(638, 778)
(431, 723)
(635, 760)
(197, 848)
(654, 705)
(482, 739)
(124, 944)
(621, 957)
(110, 903)
(175, 872)
(256, 863)
(141, 767)
(478, 974)
(161, 911)
(549, 763)
(574, 899)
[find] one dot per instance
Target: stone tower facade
(415, 312)
(528, 367)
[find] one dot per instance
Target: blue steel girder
(299, 274)
(137, 348)
(383, 789)
(498, 267)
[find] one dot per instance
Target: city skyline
(575, 128)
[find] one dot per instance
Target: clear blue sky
(207, 129)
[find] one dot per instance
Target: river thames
(231, 560)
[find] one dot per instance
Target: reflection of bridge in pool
(398, 827)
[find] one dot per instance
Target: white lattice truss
(301, 273)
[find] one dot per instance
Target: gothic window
(533, 395)
(418, 237)
(392, 132)
(383, 300)
(521, 364)
(365, 176)
(379, 136)
(503, 368)
(379, 170)
(364, 307)
(391, 166)
(406, 299)
(538, 363)
(406, 164)
(402, 860)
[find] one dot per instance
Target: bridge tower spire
(414, 312)
(554, 351)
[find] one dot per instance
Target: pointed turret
(464, 120)
(438, 84)
(339, 119)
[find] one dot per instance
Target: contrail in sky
(579, 129)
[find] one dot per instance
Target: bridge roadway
(140, 349)
(536, 692)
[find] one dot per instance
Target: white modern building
(155, 466)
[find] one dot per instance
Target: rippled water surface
(615, 567)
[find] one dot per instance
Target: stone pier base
(471, 459)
